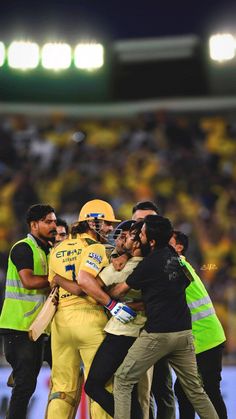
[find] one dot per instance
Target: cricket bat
(45, 316)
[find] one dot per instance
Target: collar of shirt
(45, 247)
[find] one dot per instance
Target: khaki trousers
(144, 392)
(146, 351)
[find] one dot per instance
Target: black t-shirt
(163, 291)
(22, 254)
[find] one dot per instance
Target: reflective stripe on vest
(22, 305)
(14, 283)
(40, 299)
(205, 312)
(29, 313)
(201, 302)
(202, 314)
(26, 297)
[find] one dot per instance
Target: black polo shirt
(163, 291)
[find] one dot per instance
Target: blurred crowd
(186, 165)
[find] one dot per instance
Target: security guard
(209, 338)
(25, 292)
(77, 328)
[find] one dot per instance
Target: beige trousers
(144, 392)
(145, 352)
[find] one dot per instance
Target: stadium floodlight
(89, 56)
(2, 53)
(23, 55)
(222, 47)
(56, 56)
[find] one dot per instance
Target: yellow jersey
(72, 255)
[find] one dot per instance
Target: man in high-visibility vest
(208, 335)
(25, 292)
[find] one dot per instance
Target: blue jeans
(25, 358)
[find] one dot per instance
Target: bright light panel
(222, 47)
(89, 56)
(56, 56)
(2, 54)
(23, 55)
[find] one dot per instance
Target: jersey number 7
(72, 269)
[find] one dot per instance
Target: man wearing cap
(77, 328)
(120, 337)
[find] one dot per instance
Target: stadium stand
(157, 122)
(185, 163)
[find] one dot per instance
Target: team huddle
(128, 310)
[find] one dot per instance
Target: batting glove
(121, 311)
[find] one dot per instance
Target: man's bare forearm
(92, 287)
(119, 290)
(66, 284)
(31, 281)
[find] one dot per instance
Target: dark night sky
(103, 19)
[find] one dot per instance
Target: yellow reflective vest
(21, 305)
(207, 329)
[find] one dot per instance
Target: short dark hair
(158, 228)
(182, 239)
(137, 228)
(63, 223)
(38, 212)
(145, 205)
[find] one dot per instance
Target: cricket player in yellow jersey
(77, 328)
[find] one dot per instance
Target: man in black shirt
(159, 375)
(167, 332)
(25, 292)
